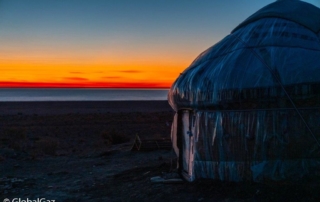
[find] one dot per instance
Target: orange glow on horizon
(38, 66)
(82, 85)
(86, 70)
(17, 74)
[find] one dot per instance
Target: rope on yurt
(277, 79)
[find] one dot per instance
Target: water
(80, 94)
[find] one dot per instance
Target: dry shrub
(114, 137)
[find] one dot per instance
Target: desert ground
(81, 151)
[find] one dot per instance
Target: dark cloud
(76, 78)
(130, 71)
(75, 72)
(111, 77)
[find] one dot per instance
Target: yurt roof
(297, 11)
(276, 48)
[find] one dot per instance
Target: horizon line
(85, 85)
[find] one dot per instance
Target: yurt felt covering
(249, 106)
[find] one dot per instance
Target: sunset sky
(110, 43)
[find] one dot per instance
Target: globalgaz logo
(28, 200)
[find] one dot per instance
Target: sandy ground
(80, 151)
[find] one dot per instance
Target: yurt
(248, 108)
